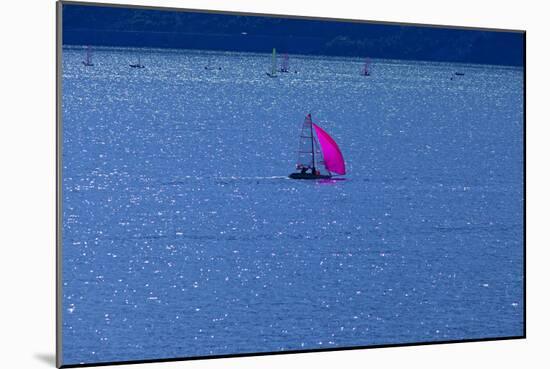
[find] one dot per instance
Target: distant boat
(459, 73)
(284, 64)
(319, 156)
(88, 61)
(366, 69)
(273, 72)
(138, 64)
(210, 67)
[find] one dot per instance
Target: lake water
(182, 235)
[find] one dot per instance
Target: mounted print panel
(239, 184)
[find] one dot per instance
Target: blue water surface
(182, 235)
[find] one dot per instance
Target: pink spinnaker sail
(334, 161)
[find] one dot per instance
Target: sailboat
(88, 61)
(138, 64)
(273, 72)
(210, 67)
(319, 156)
(284, 64)
(366, 71)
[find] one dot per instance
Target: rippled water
(183, 237)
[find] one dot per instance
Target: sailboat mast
(312, 145)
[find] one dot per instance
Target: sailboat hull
(308, 176)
